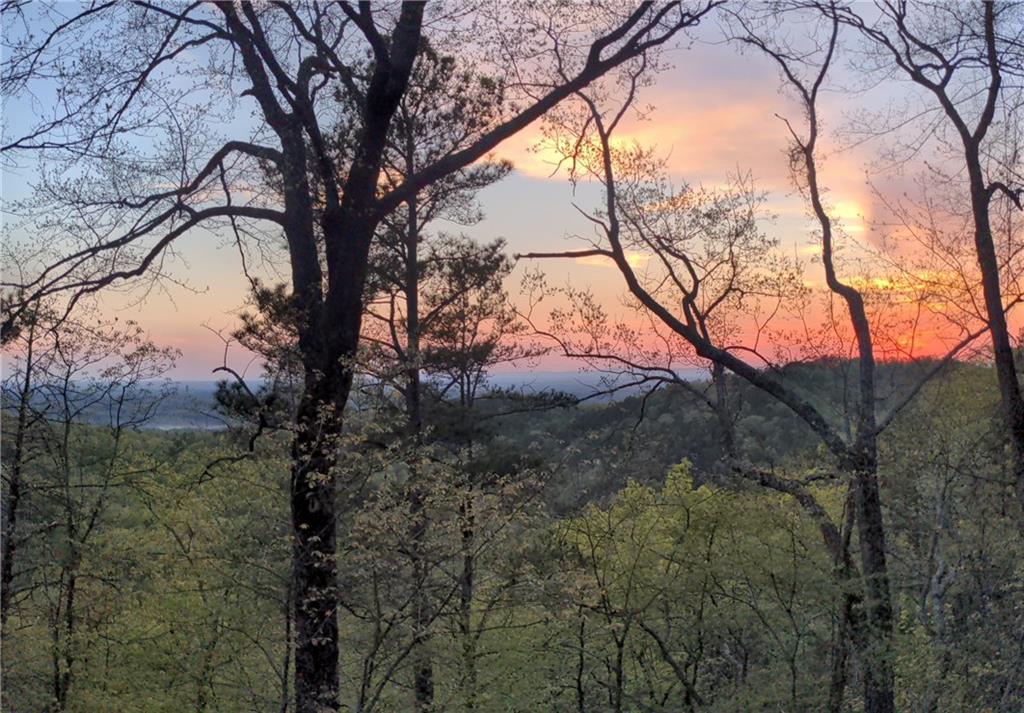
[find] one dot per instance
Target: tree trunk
(424, 673)
(329, 331)
(63, 634)
(1002, 348)
(876, 654)
(422, 615)
(467, 583)
(722, 411)
(327, 335)
(286, 663)
(10, 524)
(839, 654)
(314, 564)
(581, 691)
(620, 674)
(849, 616)
(14, 486)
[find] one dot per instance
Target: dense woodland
(615, 566)
(828, 519)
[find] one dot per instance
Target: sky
(715, 114)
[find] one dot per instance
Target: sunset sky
(715, 114)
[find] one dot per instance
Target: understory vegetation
(614, 566)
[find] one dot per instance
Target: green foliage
(681, 593)
(699, 597)
(180, 593)
(961, 561)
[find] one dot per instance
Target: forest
(742, 430)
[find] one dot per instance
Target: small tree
(73, 394)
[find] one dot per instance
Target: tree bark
(314, 570)
(14, 485)
(467, 584)
(876, 654)
(581, 691)
(840, 649)
(424, 673)
(328, 342)
(1002, 347)
(286, 663)
(723, 412)
(849, 603)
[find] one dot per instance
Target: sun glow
(850, 215)
(635, 260)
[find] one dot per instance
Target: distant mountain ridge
(192, 405)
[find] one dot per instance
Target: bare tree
(968, 61)
(72, 394)
(744, 283)
(121, 71)
(670, 290)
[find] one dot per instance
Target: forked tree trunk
(329, 332)
(328, 342)
(328, 348)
